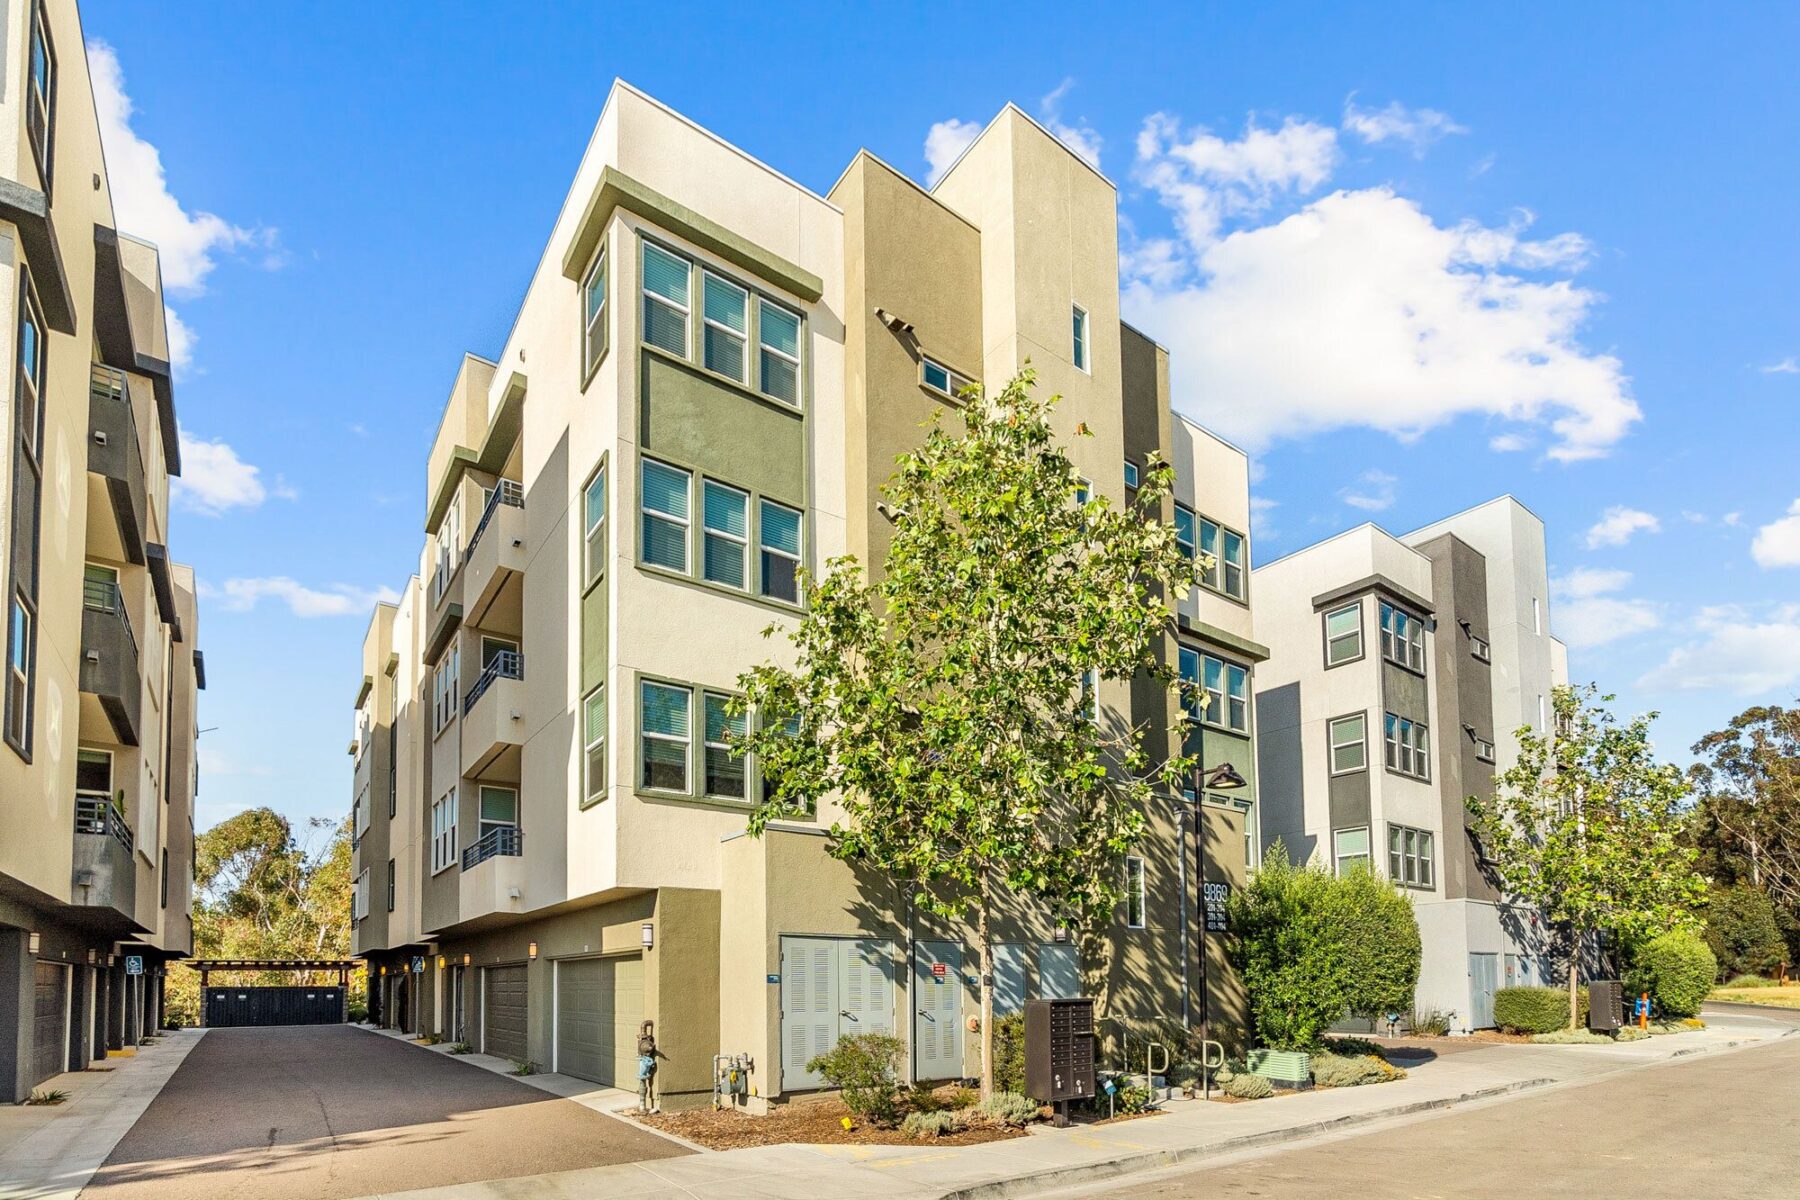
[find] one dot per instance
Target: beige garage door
(503, 1012)
(599, 1006)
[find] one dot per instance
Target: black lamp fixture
(1224, 778)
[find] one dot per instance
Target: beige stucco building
(709, 378)
(97, 765)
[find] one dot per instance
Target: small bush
(1244, 1086)
(1343, 1070)
(923, 1098)
(865, 1067)
(462, 1048)
(928, 1125)
(359, 1012)
(1010, 1108)
(1676, 969)
(52, 1096)
(1356, 1047)
(1429, 1022)
(1009, 1053)
(1571, 1037)
(1133, 1099)
(1535, 1009)
(1749, 981)
(524, 1066)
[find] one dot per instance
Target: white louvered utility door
(865, 987)
(809, 1006)
(937, 1011)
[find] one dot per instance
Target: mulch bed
(813, 1121)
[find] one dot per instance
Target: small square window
(1349, 744)
(1131, 474)
(1351, 848)
(1343, 635)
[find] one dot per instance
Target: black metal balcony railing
(505, 840)
(510, 492)
(97, 815)
(104, 596)
(506, 664)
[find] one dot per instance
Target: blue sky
(1413, 258)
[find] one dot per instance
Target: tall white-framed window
(1193, 697)
(667, 279)
(360, 898)
(778, 335)
(1349, 744)
(1135, 895)
(1231, 546)
(665, 732)
(666, 495)
(1184, 530)
(593, 510)
(725, 544)
(1350, 848)
(443, 831)
(593, 315)
(1343, 634)
(40, 98)
(593, 745)
(1402, 637)
(1080, 339)
(1226, 686)
(725, 327)
(30, 372)
(446, 688)
(726, 769)
(1408, 746)
(1537, 615)
(20, 660)
(779, 537)
(1412, 856)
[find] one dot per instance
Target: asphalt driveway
(329, 1112)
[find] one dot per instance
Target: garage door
(599, 1006)
(50, 1055)
(503, 1012)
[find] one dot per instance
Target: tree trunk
(1574, 974)
(984, 935)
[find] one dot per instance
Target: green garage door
(503, 1012)
(599, 1006)
(51, 1052)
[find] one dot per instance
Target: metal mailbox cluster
(1059, 1049)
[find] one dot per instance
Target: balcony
(109, 658)
(116, 458)
(105, 873)
(501, 841)
(494, 562)
(493, 726)
(492, 879)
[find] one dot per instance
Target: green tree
(1381, 945)
(948, 703)
(1742, 930)
(1747, 821)
(1586, 826)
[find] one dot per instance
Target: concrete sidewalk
(1050, 1159)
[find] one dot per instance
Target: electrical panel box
(1059, 1049)
(1606, 1005)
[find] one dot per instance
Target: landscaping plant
(1742, 931)
(46, 1096)
(1009, 1053)
(1347, 1070)
(1747, 821)
(946, 695)
(927, 1125)
(1586, 825)
(866, 1068)
(1676, 969)
(1010, 1108)
(1535, 1009)
(524, 1066)
(1244, 1086)
(1428, 1022)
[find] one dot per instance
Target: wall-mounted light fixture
(532, 951)
(440, 962)
(1061, 935)
(647, 935)
(33, 940)
(466, 958)
(91, 956)
(384, 970)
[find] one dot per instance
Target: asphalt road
(327, 1112)
(1720, 1126)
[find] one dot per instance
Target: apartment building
(709, 379)
(97, 769)
(1402, 669)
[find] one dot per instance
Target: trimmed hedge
(1536, 1009)
(1676, 969)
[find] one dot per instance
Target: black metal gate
(227, 1007)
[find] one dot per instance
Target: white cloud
(1741, 654)
(1358, 309)
(1081, 138)
(1733, 519)
(1373, 491)
(1618, 524)
(1508, 443)
(214, 479)
(1587, 612)
(1787, 366)
(335, 600)
(181, 340)
(944, 144)
(1262, 517)
(1777, 544)
(1417, 127)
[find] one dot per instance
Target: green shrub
(1429, 1022)
(1356, 1047)
(1676, 969)
(46, 1097)
(1345, 1070)
(1244, 1086)
(1571, 1037)
(1749, 981)
(359, 1012)
(1536, 1009)
(865, 1067)
(1380, 937)
(1009, 1053)
(1010, 1108)
(1133, 1099)
(928, 1125)
(524, 1066)
(462, 1048)
(1742, 932)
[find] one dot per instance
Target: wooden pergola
(343, 966)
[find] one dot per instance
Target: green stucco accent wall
(593, 636)
(696, 421)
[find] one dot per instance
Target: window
(1090, 694)
(1543, 723)
(1480, 649)
(1408, 749)
(724, 766)
(1234, 564)
(769, 780)
(359, 897)
(93, 774)
(391, 881)
(1537, 615)
(1351, 846)
(40, 99)
(445, 689)
(1402, 637)
(443, 831)
(1227, 689)
(1343, 635)
(1189, 670)
(664, 728)
(499, 809)
(593, 742)
(30, 381)
(725, 552)
(1226, 550)
(780, 534)
(593, 507)
(941, 378)
(666, 281)
(1410, 856)
(666, 493)
(779, 334)
(593, 316)
(725, 327)
(1080, 350)
(20, 652)
(1484, 749)
(1349, 744)
(164, 880)
(449, 545)
(1134, 892)
(1184, 529)
(1131, 475)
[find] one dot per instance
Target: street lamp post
(1222, 778)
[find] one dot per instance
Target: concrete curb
(1129, 1164)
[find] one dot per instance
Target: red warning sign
(939, 971)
